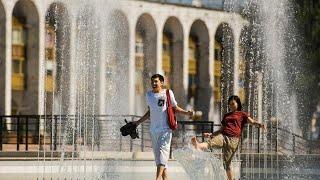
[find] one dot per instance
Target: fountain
(96, 44)
(270, 95)
(200, 165)
(271, 46)
(92, 78)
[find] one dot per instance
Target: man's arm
(256, 123)
(143, 118)
(182, 111)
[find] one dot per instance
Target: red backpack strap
(168, 98)
(172, 120)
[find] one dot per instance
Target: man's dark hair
(237, 99)
(161, 78)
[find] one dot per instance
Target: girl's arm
(182, 111)
(143, 118)
(256, 123)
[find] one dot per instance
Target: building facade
(46, 46)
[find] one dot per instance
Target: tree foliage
(308, 16)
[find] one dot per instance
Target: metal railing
(19, 130)
(73, 132)
(101, 133)
(293, 142)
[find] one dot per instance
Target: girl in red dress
(228, 137)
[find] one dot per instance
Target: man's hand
(135, 123)
(190, 113)
(184, 112)
(143, 118)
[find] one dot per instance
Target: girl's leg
(198, 145)
(229, 151)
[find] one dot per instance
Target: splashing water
(92, 33)
(200, 165)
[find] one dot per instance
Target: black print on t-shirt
(160, 102)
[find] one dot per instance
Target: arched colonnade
(198, 50)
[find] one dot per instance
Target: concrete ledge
(140, 156)
(32, 154)
(78, 169)
(144, 156)
(97, 155)
(106, 155)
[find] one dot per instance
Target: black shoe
(129, 129)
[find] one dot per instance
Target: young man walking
(160, 131)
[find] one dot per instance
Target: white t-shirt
(157, 103)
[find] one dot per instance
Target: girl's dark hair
(161, 78)
(237, 99)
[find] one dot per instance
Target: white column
(8, 66)
(259, 78)
(211, 74)
(73, 75)
(236, 65)
(159, 50)
(42, 63)
(41, 75)
(185, 60)
(132, 67)
(8, 74)
(102, 72)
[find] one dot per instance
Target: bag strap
(168, 98)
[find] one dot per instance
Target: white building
(97, 57)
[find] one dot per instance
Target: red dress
(233, 123)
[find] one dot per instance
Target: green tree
(308, 18)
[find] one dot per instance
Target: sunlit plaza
(72, 71)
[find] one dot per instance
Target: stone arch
(2, 58)
(244, 66)
(57, 81)
(224, 36)
(147, 28)
(117, 63)
(202, 91)
(173, 30)
(145, 57)
(25, 76)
